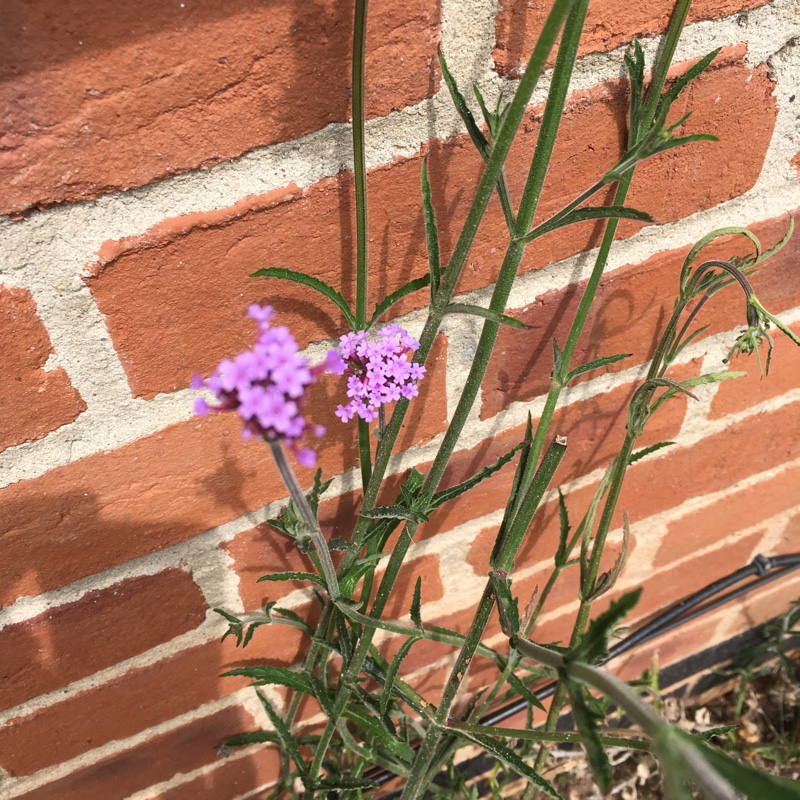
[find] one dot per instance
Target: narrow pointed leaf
(486, 313)
(645, 451)
(586, 721)
(683, 81)
(507, 605)
(584, 214)
(524, 692)
(288, 742)
(397, 295)
(511, 759)
(594, 644)
(596, 363)
(313, 283)
(293, 576)
(336, 784)
(564, 528)
(431, 233)
(454, 491)
(391, 672)
(375, 729)
(416, 603)
(475, 133)
(255, 737)
(395, 512)
(273, 675)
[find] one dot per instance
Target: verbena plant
(374, 717)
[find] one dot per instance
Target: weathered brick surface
(632, 307)
(106, 509)
(160, 280)
(182, 750)
(101, 629)
(734, 512)
(150, 89)
(35, 401)
(139, 699)
(609, 24)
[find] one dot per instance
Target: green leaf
(707, 239)
(454, 491)
(645, 451)
(397, 295)
(395, 512)
(431, 233)
(666, 101)
(287, 741)
(596, 364)
(349, 581)
(511, 759)
(391, 672)
(594, 644)
(323, 698)
(475, 133)
(486, 313)
(507, 606)
(416, 603)
(377, 731)
(524, 692)
(635, 66)
(346, 783)
(754, 784)
(586, 721)
(564, 529)
(264, 674)
(584, 214)
(255, 737)
(293, 576)
(313, 283)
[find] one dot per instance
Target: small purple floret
(379, 370)
(266, 385)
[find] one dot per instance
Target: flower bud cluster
(379, 370)
(266, 385)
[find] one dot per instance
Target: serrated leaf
(255, 737)
(349, 581)
(586, 721)
(395, 512)
(511, 759)
(596, 363)
(263, 674)
(646, 451)
(486, 313)
(313, 283)
(524, 692)
(416, 603)
(584, 214)
(666, 101)
(337, 543)
(287, 741)
(431, 233)
(393, 669)
(507, 606)
(454, 491)
(594, 644)
(397, 295)
(293, 576)
(564, 529)
(346, 783)
(376, 729)
(475, 133)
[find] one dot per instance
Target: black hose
(762, 569)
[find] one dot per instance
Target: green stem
(362, 232)
(307, 515)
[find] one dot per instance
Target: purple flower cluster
(379, 370)
(265, 386)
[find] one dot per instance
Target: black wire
(762, 569)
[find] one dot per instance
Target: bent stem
(307, 515)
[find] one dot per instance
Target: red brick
(631, 308)
(101, 629)
(36, 401)
(182, 750)
(153, 89)
(109, 508)
(609, 24)
(141, 284)
(137, 700)
(733, 513)
(795, 162)
(733, 396)
(232, 779)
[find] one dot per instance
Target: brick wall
(152, 158)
